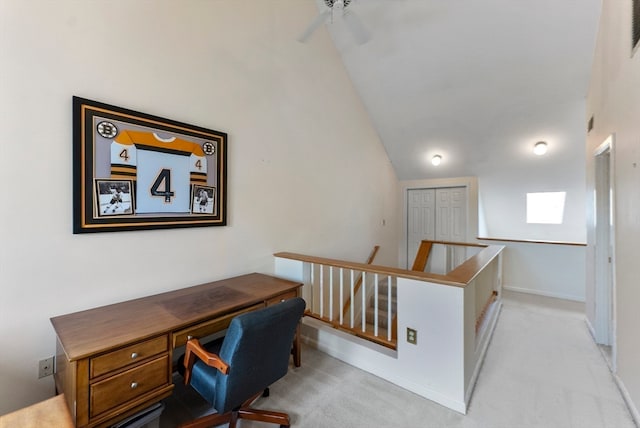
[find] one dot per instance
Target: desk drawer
(280, 298)
(209, 327)
(125, 356)
(126, 386)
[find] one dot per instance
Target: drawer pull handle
(134, 385)
(134, 355)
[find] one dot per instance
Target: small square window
(545, 207)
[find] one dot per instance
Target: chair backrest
(257, 348)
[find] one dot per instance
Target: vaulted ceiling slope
(477, 81)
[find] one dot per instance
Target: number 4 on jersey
(162, 186)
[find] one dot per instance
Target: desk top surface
(49, 413)
(101, 329)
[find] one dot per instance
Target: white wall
(307, 171)
(510, 172)
(614, 102)
(551, 270)
(514, 171)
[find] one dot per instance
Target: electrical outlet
(45, 367)
(412, 336)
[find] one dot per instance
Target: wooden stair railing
(382, 321)
(357, 331)
(492, 298)
(422, 256)
(358, 284)
(461, 276)
(419, 264)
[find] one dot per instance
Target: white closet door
(421, 220)
(438, 214)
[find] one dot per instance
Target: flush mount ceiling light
(436, 160)
(540, 148)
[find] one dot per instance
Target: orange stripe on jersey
(123, 170)
(123, 177)
(198, 178)
(150, 139)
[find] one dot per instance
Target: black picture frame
(635, 25)
(158, 165)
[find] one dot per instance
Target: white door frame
(471, 184)
(604, 252)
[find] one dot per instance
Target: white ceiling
(471, 79)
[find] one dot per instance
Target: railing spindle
(341, 295)
(352, 300)
(389, 308)
(321, 291)
(313, 288)
(363, 290)
(330, 293)
(375, 304)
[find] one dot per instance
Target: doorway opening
(605, 308)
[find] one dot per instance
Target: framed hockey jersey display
(137, 171)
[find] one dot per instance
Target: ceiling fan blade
(318, 21)
(355, 26)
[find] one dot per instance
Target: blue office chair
(234, 371)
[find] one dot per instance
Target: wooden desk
(49, 413)
(115, 360)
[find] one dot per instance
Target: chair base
(243, 412)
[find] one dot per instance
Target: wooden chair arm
(194, 349)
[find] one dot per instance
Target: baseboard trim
(545, 293)
(635, 415)
(590, 328)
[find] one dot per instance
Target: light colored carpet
(542, 369)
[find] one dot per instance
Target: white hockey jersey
(162, 169)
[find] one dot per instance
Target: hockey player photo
(114, 197)
(202, 201)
